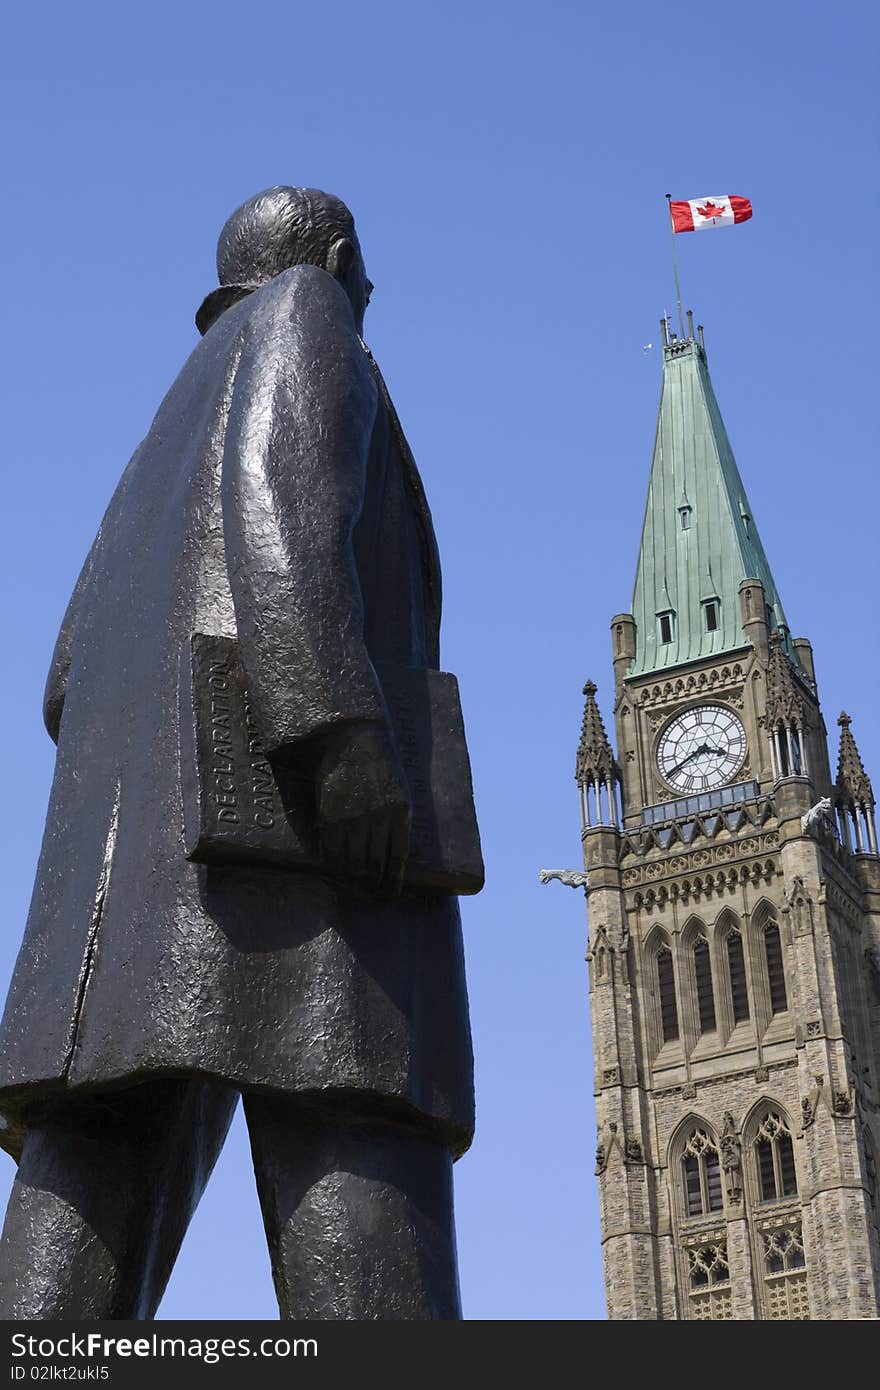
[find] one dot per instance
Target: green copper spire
(699, 539)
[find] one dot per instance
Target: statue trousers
(358, 1215)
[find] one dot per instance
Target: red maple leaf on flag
(711, 210)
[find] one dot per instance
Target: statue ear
(340, 258)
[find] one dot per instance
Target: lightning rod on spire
(675, 265)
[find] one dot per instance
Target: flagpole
(675, 264)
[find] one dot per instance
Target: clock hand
(697, 752)
(707, 748)
(684, 762)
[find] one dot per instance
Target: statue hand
(363, 808)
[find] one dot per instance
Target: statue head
(282, 227)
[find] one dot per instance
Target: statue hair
(279, 228)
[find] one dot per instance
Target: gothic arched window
(666, 987)
(785, 1279)
(780, 1260)
(774, 1156)
(775, 970)
(708, 1274)
(736, 964)
(701, 1175)
(703, 978)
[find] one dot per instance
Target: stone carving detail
(599, 956)
(605, 1146)
(631, 1149)
(676, 851)
(610, 1076)
(731, 1159)
(572, 878)
(595, 758)
(814, 1028)
(819, 821)
(841, 1103)
(685, 689)
(689, 1091)
(633, 1152)
(853, 782)
(784, 696)
(762, 1075)
(800, 904)
(701, 885)
(810, 1103)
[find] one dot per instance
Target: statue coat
(273, 499)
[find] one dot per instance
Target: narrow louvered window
(665, 627)
(774, 1152)
(766, 1171)
(703, 973)
(711, 611)
(692, 1187)
(666, 981)
(787, 1175)
(775, 972)
(713, 1180)
(739, 993)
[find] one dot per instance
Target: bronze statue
(273, 504)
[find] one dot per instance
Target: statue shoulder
(308, 298)
(302, 325)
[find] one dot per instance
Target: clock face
(701, 749)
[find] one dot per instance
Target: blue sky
(506, 164)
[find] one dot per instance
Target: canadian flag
(698, 213)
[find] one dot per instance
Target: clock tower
(733, 890)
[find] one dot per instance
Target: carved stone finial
(784, 700)
(595, 757)
(853, 783)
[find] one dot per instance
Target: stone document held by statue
(272, 519)
(236, 810)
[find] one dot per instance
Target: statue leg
(358, 1217)
(104, 1193)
